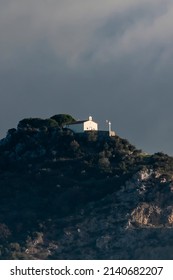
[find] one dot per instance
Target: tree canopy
(63, 119)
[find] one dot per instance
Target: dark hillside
(67, 195)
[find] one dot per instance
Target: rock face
(123, 225)
(67, 196)
(153, 189)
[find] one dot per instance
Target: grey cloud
(112, 59)
(71, 28)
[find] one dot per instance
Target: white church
(89, 125)
(82, 126)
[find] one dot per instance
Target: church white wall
(90, 125)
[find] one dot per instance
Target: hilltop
(67, 195)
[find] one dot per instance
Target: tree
(36, 123)
(63, 119)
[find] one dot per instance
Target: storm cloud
(110, 59)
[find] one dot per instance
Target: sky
(109, 59)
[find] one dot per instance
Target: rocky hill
(82, 196)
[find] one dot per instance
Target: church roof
(78, 122)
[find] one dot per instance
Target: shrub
(4, 232)
(63, 119)
(104, 163)
(36, 123)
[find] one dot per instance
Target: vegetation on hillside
(48, 173)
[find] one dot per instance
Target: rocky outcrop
(122, 225)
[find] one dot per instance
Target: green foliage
(74, 146)
(4, 232)
(92, 136)
(63, 119)
(11, 131)
(104, 163)
(162, 162)
(37, 123)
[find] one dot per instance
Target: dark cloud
(111, 59)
